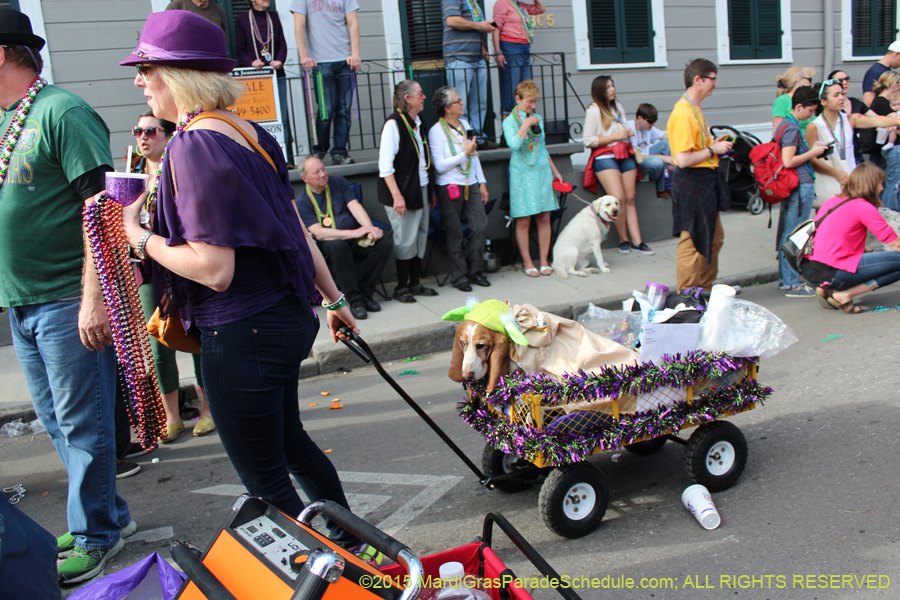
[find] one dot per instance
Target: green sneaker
(66, 542)
(82, 564)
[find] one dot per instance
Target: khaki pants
(691, 269)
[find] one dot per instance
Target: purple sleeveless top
(230, 196)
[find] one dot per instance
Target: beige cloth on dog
(557, 345)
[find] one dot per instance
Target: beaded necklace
(326, 220)
(526, 20)
(267, 52)
(475, 10)
(705, 135)
(840, 124)
(531, 137)
(418, 141)
(801, 141)
(150, 202)
(451, 137)
(16, 125)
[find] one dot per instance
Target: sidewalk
(404, 330)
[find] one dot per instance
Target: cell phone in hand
(829, 151)
(494, 23)
(470, 133)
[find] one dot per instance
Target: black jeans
(343, 255)
(251, 369)
(469, 260)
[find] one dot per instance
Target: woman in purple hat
(236, 261)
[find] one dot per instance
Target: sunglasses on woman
(150, 131)
(828, 83)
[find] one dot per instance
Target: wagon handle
(525, 548)
(198, 573)
(361, 349)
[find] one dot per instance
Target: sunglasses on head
(150, 131)
(827, 83)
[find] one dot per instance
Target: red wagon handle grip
(528, 550)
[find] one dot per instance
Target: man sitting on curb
(345, 233)
(653, 144)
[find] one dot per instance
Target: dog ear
(499, 360)
(456, 360)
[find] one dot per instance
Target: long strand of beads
(11, 137)
(103, 220)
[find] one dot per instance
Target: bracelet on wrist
(339, 303)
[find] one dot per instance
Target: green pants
(163, 356)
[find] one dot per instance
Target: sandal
(532, 272)
(545, 270)
(847, 307)
(822, 296)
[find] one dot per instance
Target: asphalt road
(814, 515)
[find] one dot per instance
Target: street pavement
(812, 516)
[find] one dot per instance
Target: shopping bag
(151, 578)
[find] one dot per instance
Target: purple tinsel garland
(560, 447)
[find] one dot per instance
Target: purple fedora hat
(178, 38)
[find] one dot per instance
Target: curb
(428, 339)
(23, 411)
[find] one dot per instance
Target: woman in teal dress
(531, 175)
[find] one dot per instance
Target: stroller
(738, 169)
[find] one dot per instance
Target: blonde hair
(206, 90)
(527, 88)
(787, 81)
(887, 79)
(863, 183)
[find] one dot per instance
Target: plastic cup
(881, 136)
(656, 294)
(125, 188)
(721, 297)
(696, 499)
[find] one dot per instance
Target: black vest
(406, 166)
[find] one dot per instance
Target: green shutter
(620, 31)
(874, 26)
(423, 28)
(14, 4)
(754, 29)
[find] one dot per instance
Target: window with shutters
(754, 31)
(874, 26)
(867, 28)
(620, 34)
(424, 28)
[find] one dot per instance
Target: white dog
(582, 237)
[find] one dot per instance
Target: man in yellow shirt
(699, 191)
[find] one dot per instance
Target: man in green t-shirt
(59, 323)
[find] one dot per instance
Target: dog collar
(601, 223)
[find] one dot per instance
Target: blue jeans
(891, 196)
(518, 69)
(73, 390)
(470, 81)
(793, 211)
(654, 167)
(251, 370)
(875, 268)
(338, 93)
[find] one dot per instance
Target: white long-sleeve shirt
(593, 125)
(445, 163)
(390, 145)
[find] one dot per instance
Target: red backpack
(774, 180)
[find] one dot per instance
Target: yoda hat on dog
(493, 314)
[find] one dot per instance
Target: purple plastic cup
(125, 188)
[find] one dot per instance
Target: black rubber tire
(493, 463)
(755, 204)
(647, 447)
(553, 499)
(699, 446)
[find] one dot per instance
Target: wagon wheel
(495, 462)
(647, 447)
(573, 500)
(716, 455)
(755, 204)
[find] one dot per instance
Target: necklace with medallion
(418, 140)
(461, 140)
(16, 125)
(526, 19)
(327, 219)
(531, 137)
(150, 203)
(267, 52)
(704, 130)
(840, 125)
